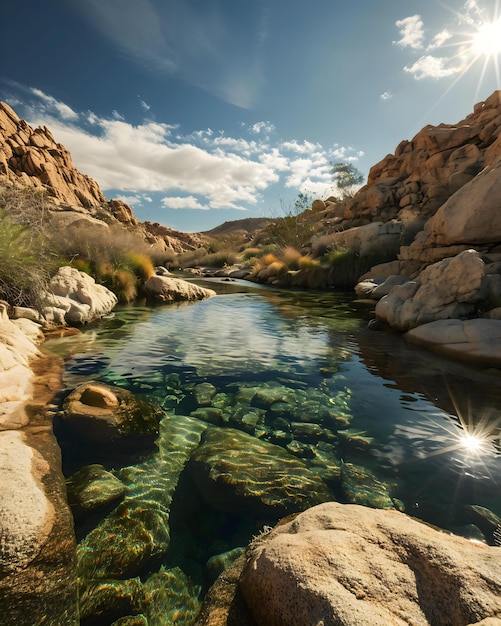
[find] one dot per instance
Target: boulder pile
(449, 176)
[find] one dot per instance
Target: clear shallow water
(398, 408)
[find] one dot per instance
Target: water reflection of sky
(226, 335)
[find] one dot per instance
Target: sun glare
(487, 40)
(471, 443)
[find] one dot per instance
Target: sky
(197, 112)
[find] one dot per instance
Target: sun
(487, 40)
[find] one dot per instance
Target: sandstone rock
(37, 551)
(318, 205)
(370, 238)
(101, 414)
(27, 516)
(17, 349)
(43, 161)
(376, 290)
(471, 216)
(79, 296)
(448, 289)
(351, 565)
(167, 289)
(475, 340)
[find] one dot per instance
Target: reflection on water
(379, 421)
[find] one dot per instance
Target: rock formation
(37, 547)
(351, 565)
(31, 158)
(446, 184)
(423, 173)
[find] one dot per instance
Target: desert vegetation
(32, 250)
(296, 247)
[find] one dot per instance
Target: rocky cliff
(31, 158)
(445, 285)
(424, 172)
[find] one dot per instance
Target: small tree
(347, 178)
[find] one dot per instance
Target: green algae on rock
(136, 535)
(361, 486)
(103, 415)
(235, 471)
(92, 489)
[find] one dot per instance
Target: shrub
(223, 258)
(140, 265)
(306, 263)
(291, 257)
(25, 264)
(346, 267)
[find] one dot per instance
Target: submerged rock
(487, 522)
(361, 486)
(136, 535)
(235, 471)
(102, 414)
(219, 562)
(93, 488)
(351, 565)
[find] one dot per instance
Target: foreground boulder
(37, 541)
(346, 564)
(168, 289)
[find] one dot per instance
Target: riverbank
(37, 553)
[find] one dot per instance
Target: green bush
(25, 264)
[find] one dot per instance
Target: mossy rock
(236, 472)
(93, 489)
(103, 415)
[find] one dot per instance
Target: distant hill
(248, 225)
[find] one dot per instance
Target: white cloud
(144, 105)
(131, 200)
(412, 32)
(305, 147)
(432, 67)
(116, 115)
(185, 202)
(51, 105)
(439, 39)
(452, 46)
(204, 169)
(264, 128)
(386, 95)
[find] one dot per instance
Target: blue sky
(196, 112)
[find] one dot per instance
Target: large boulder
(351, 565)
(37, 546)
(17, 349)
(373, 238)
(476, 341)
(75, 298)
(450, 288)
(168, 289)
(471, 216)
